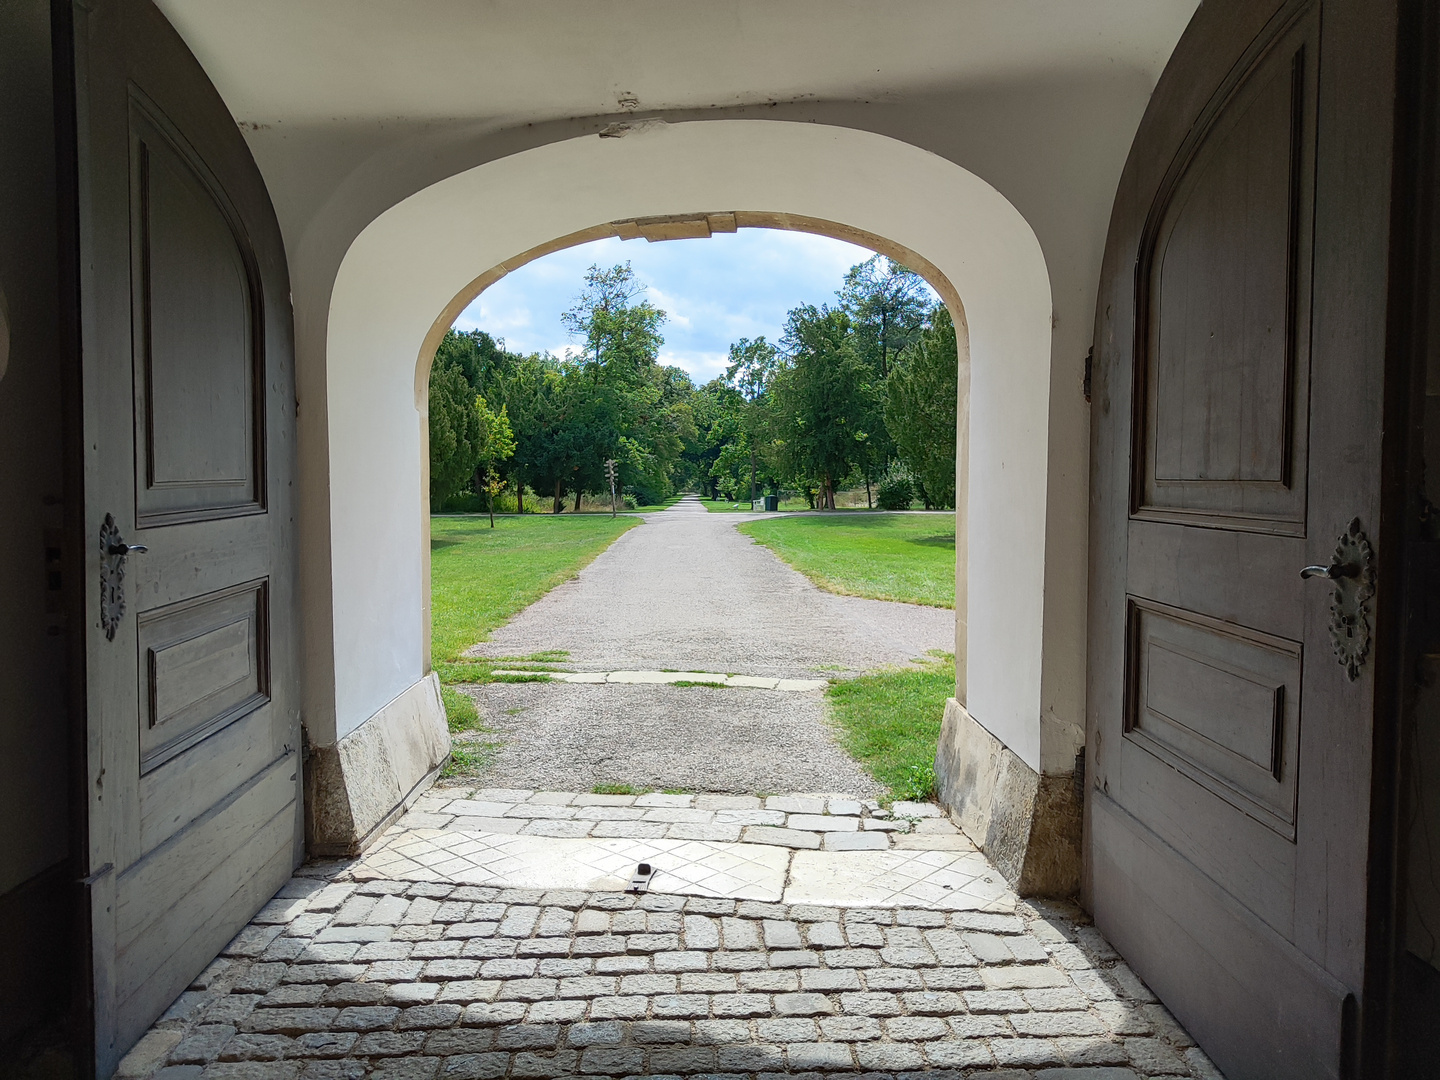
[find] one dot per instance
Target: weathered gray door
(1237, 430)
(193, 762)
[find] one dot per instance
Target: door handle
(1332, 572)
(1352, 569)
(113, 551)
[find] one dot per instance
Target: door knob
(127, 549)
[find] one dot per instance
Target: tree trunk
(577, 500)
(559, 506)
(519, 495)
(489, 498)
(869, 503)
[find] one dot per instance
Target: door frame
(81, 1022)
(1414, 307)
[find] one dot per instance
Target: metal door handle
(1352, 569)
(1332, 572)
(112, 574)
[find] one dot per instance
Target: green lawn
(890, 723)
(908, 557)
(480, 577)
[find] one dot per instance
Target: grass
(906, 557)
(481, 577)
(617, 789)
(890, 722)
(470, 752)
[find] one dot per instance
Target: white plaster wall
(413, 259)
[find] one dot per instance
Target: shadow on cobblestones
(338, 978)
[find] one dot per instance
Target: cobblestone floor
(339, 979)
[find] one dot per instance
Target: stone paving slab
(795, 821)
(685, 867)
(346, 979)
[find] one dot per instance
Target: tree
(920, 409)
(752, 367)
(454, 431)
(888, 304)
(822, 398)
(496, 443)
(622, 403)
(622, 337)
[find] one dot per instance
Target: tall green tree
(751, 370)
(887, 304)
(454, 431)
(623, 405)
(920, 409)
(823, 405)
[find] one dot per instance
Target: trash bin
(772, 502)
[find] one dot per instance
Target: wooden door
(193, 762)
(1236, 434)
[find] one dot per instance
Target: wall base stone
(1028, 824)
(357, 787)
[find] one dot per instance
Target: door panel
(1236, 430)
(187, 365)
(1223, 306)
(198, 431)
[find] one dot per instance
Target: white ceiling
(324, 62)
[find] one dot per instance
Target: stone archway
(418, 259)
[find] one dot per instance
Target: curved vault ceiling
(335, 62)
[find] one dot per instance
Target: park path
(687, 592)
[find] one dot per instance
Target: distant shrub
(896, 489)
(645, 495)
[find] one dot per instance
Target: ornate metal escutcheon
(1352, 570)
(113, 551)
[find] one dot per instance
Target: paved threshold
(813, 849)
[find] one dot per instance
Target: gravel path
(568, 738)
(685, 591)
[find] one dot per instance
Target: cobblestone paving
(339, 979)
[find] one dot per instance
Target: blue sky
(715, 291)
